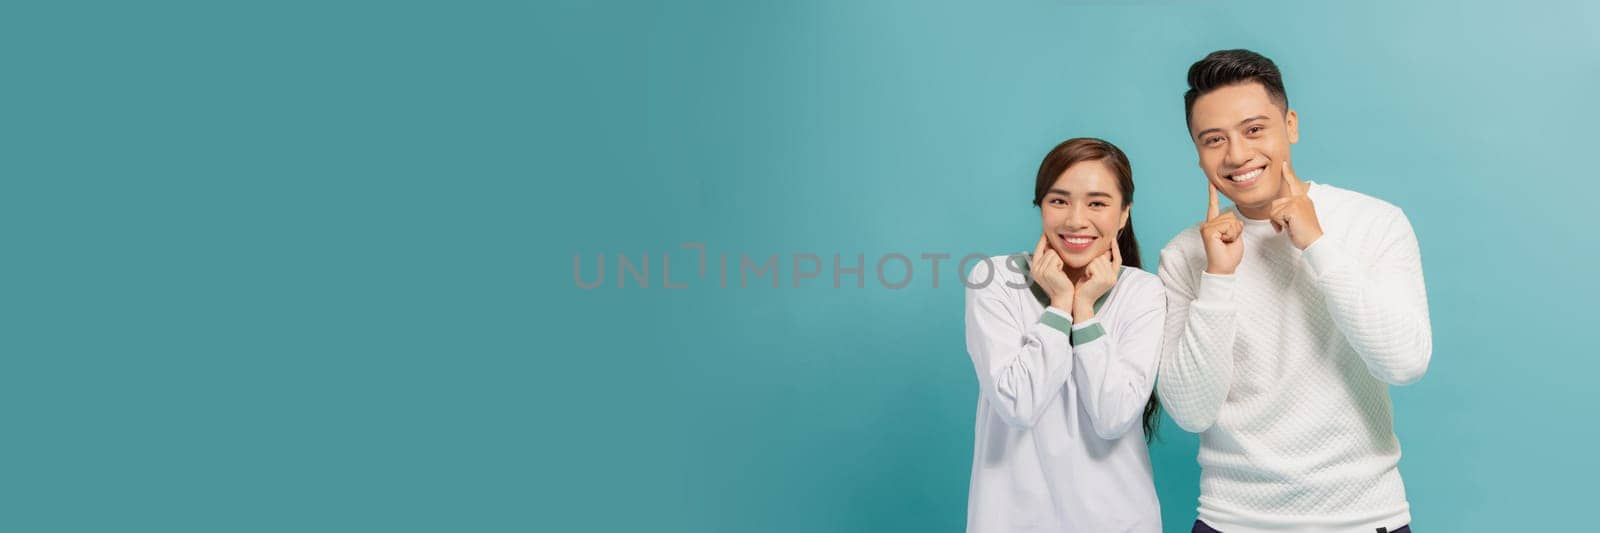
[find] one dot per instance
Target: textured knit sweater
(1283, 368)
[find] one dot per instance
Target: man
(1288, 316)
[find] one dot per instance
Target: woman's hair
(1072, 152)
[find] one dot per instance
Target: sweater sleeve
(1197, 343)
(1380, 304)
(1115, 370)
(1020, 367)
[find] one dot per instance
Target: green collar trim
(1021, 261)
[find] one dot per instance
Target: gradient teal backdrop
(308, 266)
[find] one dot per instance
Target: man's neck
(1263, 211)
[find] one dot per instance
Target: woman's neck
(1075, 274)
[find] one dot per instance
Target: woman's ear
(1125, 212)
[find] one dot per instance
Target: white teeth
(1079, 240)
(1248, 175)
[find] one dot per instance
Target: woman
(1066, 342)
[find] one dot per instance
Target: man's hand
(1049, 271)
(1223, 236)
(1295, 211)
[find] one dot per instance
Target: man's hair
(1223, 68)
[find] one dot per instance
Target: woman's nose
(1076, 218)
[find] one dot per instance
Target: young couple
(1273, 330)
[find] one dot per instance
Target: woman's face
(1082, 212)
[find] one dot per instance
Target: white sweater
(1058, 444)
(1284, 366)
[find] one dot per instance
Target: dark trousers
(1201, 527)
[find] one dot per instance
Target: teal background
(308, 266)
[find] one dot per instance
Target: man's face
(1083, 212)
(1243, 138)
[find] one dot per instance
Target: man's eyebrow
(1241, 123)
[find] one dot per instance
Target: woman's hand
(1049, 271)
(1098, 278)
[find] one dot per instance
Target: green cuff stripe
(1056, 321)
(1087, 335)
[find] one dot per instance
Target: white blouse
(1059, 444)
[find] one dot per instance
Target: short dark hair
(1223, 68)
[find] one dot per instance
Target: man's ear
(1292, 120)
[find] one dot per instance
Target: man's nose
(1237, 154)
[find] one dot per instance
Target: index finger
(1039, 249)
(1211, 210)
(1296, 187)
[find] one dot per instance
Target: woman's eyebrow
(1091, 193)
